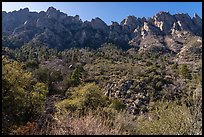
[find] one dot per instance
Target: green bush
(55, 76)
(76, 76)
(32, 64)
(22, 98)
(42, 74)
(184, 71)
(117, 105)
(84, 98)
(167, 118)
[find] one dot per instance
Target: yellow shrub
(84, 98)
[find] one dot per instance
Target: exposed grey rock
(115, 27)
(130, 23)
(11, 20)
(164, 21)
(135, 42)
(185, 22)
(55, 14)
(198, 24)
(83, 37)
(149, 28)
(175, 28)
(161, 32)
(153, 43)
(97, 23)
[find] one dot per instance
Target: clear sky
(109, 11)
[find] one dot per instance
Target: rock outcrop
(164, 21)
(99, 24)
(56, 29)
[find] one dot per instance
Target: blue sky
(109, 11)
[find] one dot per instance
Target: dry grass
(73, 125)
(167, 118)
(89, 124)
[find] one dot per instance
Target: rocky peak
(162, 14)
(185, 22)
(164, 21)
(196, 15)
(97, 23)
(130, 23)
(115, 26)
(14, 19)
(142, 20)
(130, 20)
(22, 12)
(182, 16)
(87, 24)
(25, 10)
(197, 20)
(151, 28)
(76, 17)
(56, 14)
(198, 24)
(70, 29)
(4, 12)
(98, 20)
(51, 9)
(42, 14)
(164, 17)
(114, 23)
(150, 20)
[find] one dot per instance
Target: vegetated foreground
(103, 91)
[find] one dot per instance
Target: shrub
(167, 118)
(42, 74)
(84, 98)
(76, 76)
(184, 71)
(117, 105)
(32, 64)
(55, 76)
(22, 97)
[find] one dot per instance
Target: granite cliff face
(163, 32)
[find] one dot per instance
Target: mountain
(163, 32)
(143, 73)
